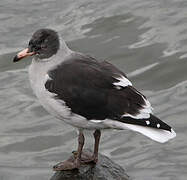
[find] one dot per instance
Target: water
(145, 39)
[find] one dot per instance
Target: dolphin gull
(87, 94)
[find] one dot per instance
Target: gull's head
(43, 44)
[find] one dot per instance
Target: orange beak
(23, 54)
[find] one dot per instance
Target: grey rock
(105, 169)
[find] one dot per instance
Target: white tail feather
(158, 135)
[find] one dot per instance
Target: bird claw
(69, 164)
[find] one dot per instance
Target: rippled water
(145, 39)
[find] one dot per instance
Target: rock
(105, 169)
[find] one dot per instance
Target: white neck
(64, 47)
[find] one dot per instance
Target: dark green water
(145, 39)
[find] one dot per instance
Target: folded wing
(99, 91)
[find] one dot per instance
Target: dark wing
(98, 90)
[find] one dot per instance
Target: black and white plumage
(86, 93)
(98, 91)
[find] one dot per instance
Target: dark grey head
(44, 43)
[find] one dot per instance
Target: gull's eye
(43, 46)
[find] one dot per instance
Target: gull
(87, 94)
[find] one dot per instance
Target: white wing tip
(158, 135)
